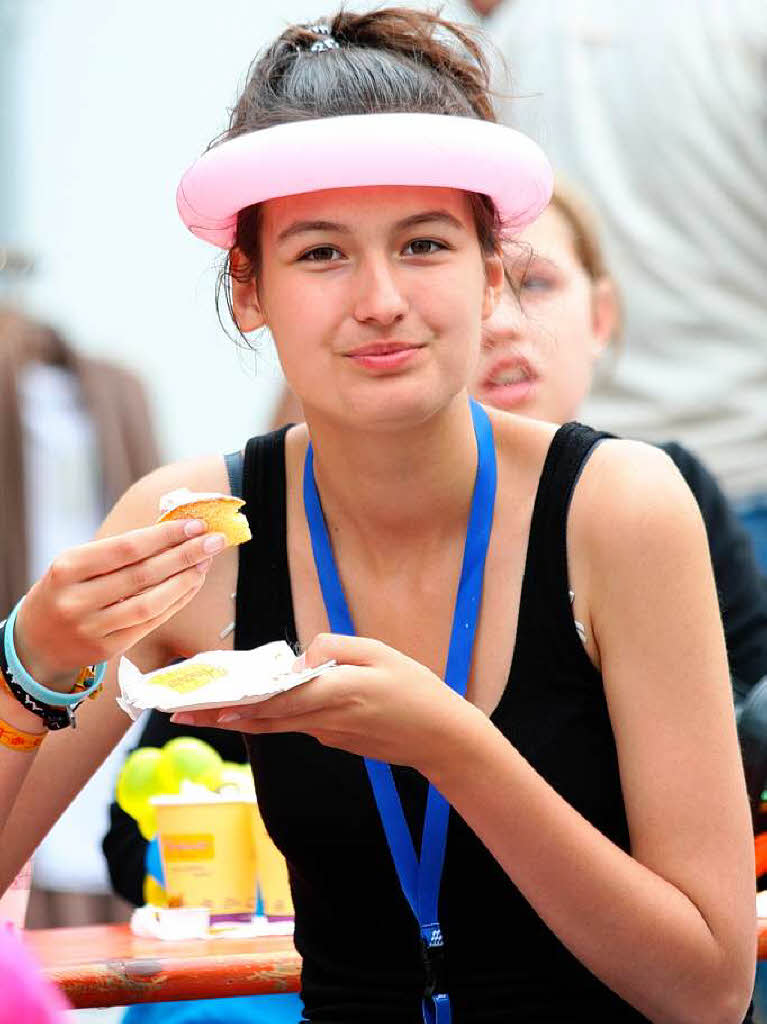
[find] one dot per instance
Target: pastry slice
(221, 512)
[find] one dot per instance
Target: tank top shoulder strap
(264, 605)
(234, 461)
(545, 608)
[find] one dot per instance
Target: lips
(511, 376)
(509, 383)
(382, 348)
(508, 372)
(383, 358)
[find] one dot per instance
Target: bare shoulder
(630, 490)
(636, 543)
(296, 441)
(139, 506)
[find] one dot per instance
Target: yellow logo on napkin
(186, 678)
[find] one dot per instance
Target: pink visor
(436, 150)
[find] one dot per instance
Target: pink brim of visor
(437, 150)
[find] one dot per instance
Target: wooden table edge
(147, 971)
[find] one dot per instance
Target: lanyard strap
(420, 879)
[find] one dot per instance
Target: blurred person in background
(75, 432)
(658, 111)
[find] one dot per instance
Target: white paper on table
(761, 904)
(235, 677)
(150, 922)
(173, 924)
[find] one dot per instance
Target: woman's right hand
(97, 600)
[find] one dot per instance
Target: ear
(494, 281)
(605, 314)
(248, 314)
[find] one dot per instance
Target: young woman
(581, 875)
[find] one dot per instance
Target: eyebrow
(527, 260)
(300, 227)
(429, 217)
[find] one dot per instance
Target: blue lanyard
(420, 880)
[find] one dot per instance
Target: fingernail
(216, 542)
(204, 566)
(300, 663)
(230, 716)
(194, 527)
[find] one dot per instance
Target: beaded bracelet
(56, 709)
(52, 717)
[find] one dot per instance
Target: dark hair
(386, 61)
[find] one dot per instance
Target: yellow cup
(208, 853)
(272, 873)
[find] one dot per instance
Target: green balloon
(187, 758)
(139, 780)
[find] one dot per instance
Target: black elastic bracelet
(53, 718)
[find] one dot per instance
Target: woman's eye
(423, 247)
(536, 283)
(321, 254)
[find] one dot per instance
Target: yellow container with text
(272, 874)
(208, 853)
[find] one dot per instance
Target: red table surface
(105, 965)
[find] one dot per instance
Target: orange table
(105, 965)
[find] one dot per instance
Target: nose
(379, 295)
(505, 323)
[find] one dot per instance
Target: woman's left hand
(375, 702)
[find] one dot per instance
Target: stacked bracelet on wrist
(57, 710)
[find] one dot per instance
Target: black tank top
(354, 927)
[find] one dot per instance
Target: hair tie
(328, 43)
